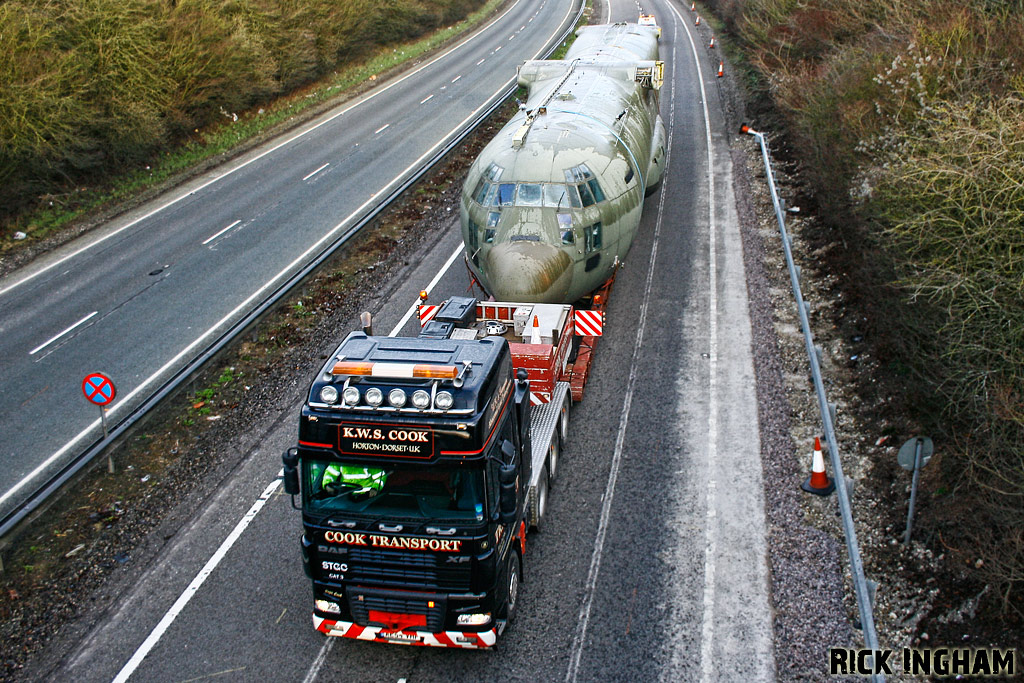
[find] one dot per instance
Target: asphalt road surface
(141, 296)
(652, 564)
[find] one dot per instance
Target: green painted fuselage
(551, 205)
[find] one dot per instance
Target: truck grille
(400, 568)
(389, 608)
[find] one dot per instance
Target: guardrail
(864, 591)
(39, 496)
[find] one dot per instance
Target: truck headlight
(327, 606)
(420, 399)
(474, 619)
(396, 397)
(350, 396)
(328, 394)
(444, 400)
(374, 396)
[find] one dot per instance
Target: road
(652, 565)
(138, 298)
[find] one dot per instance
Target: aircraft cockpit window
(489, 234)
(560, 196)
(565, 228)
(492, 219)
(595, 187)
(493, 172)
(586, 195)
(529, 195)
(592, 237)
(480, 190)
(506, 194)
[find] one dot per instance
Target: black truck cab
(413, 485)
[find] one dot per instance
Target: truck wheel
(513, 577)
(539, 500)
(554, 452)
(563, 419)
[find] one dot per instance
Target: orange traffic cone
(693, 7)
(535, 337)
(818, 483)
(721, 66)
(712, 43)
(697, 23)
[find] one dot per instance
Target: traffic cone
(721, 66)
(712, 43)
(535, 332)
(697, 23)
(818, 483)
(693, 7)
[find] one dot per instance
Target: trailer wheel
(554, 452)
(539, 500)
(513, 576)
(563, 419)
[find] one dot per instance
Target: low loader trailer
(422, 462)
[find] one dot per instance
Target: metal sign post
(914, 455)
(99, 390)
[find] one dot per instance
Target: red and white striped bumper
(346, 629)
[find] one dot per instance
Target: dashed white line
(381, 129)
(61, 334)
(481, 61)
(497, 48)
(426, 99)
(213, 237)
(317, 171)
(456, 78)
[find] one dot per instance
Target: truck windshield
(394, 490)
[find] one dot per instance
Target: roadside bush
(906, 117)
(92, 87)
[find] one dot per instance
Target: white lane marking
(215, 236)
(590, 587)
(426, 99)
(429, 288)
(132, 664)
(317, 171)
(382, 128)
(318, 663)
(271, 150)
(497, 48)
(456, 78)
(707, 663)
(60, 334)
(481, 61)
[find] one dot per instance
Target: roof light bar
(408, 370)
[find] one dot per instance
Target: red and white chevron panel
(427, 313)
(538, 398)
(473, 640)
(589, 323)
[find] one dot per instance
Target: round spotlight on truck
(396, 397)
(444, 400)
(350, 396)
(420, 399)
(374, 396)
(329, 394)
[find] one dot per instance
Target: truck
(422, 462)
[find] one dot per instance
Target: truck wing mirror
(508, 449)
(290, 460)
(509, 498)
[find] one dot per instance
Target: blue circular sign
(98, 388)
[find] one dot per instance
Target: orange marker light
(418, 371)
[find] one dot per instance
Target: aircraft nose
(527, 271)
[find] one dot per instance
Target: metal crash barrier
(863, 588)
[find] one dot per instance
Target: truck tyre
(539, 500)
(563, 420)
(554, 453)
(513, 578)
